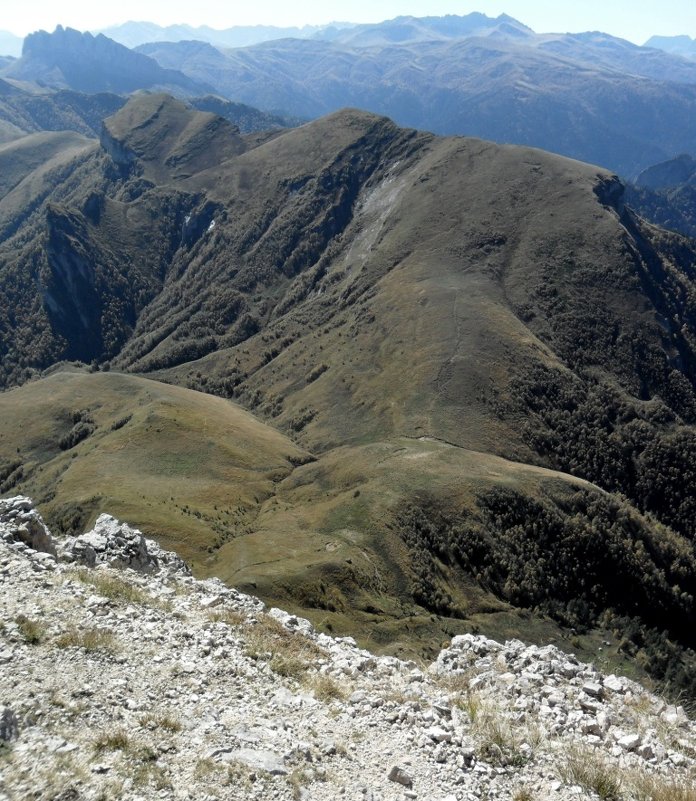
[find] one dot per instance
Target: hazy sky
(636, 20)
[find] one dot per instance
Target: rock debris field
(123, 677)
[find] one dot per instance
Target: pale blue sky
(636, 20)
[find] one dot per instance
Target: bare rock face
(110, 542)
(121, 546)
(21, 522)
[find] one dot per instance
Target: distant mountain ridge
(678, 45)
(23, 111)
(400, 29)
(669, 174)
(665, 194)
(67, 58)
(131, 33)
(590, 96)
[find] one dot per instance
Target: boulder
(122, 546)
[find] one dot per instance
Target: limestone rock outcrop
(133, 680)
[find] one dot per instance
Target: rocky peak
(124, 677)
(87, 63)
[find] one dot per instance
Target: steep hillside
(461, 334)
(666, 194)
(28, 109)
(24, 110)
(189, 467)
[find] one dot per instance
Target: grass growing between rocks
(327, 689)
(589, 770)
(112, 741)
(146, 772)
(499, 742)
(33, 631)
(298, 780)
(90, 639)
(229, 617)
(164, 722)
(523, 794)
(658, 788)
(288, 653)
(113, 588)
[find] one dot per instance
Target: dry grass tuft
(288, 653)
(659, 788)
(163, 722)
(91, 639)
(327, 689)
(523, 794)
(112, 587)
(589, 770)
(228, 616)
(112, 741)
(33, 631)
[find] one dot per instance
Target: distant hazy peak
(677, 45)
(68, 58)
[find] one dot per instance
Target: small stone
(261, 760)
(438, 734)
(9, 725)
(646, 751)
(591, 727)
(400, 776)
(593, 689)
(615, 684)
(589, 704)
(212, 601)
(629, 742)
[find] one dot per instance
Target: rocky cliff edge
(123, 677)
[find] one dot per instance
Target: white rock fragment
(629, 742)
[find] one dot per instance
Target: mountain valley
(466, 362)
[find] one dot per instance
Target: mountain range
(457, 378)
(131, 34)
(408, 385)
(588, 96)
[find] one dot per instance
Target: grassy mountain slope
(187, 466)
(457, 331)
